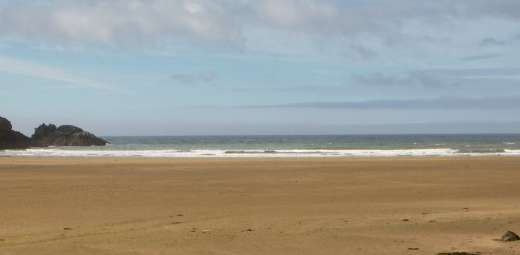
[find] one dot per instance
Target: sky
(236, 67)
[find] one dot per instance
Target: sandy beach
(258, 206)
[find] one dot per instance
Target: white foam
(60, 152)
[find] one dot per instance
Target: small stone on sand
(510, 236)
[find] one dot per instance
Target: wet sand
(256, 206)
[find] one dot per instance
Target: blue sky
(188, 67)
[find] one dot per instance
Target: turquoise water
(469, 143)
(290, 146)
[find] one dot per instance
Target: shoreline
(265, 154)
(281, 157)
(317, 158)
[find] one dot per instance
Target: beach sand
(258, 206)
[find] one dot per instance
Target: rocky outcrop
(46, 135)
(66, 135)
(5, 125)
(10, 139)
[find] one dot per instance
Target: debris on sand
(67, 228)
(458, 253)
(413, 249)
(510, 236)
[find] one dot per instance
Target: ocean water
(290, 146)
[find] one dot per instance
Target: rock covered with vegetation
(66, 135)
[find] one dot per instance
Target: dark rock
(510, 236)
(14, 140)
(5, 125)
(46, 135)
(69, 129)
(66, 135)
(10, 139)
(43, 131)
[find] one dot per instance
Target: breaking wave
(171, 153)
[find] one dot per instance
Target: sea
(289, 146)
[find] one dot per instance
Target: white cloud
(127, 22)
(225, 22)
(296, 13)
(22, 67)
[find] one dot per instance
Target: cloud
(439, 77)
(413, 78)
(194, 78)
(119, 22)
(226, 22)
(481, 57)
(413, 104)
(489, 42)
(22, 67)
(294, 14)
